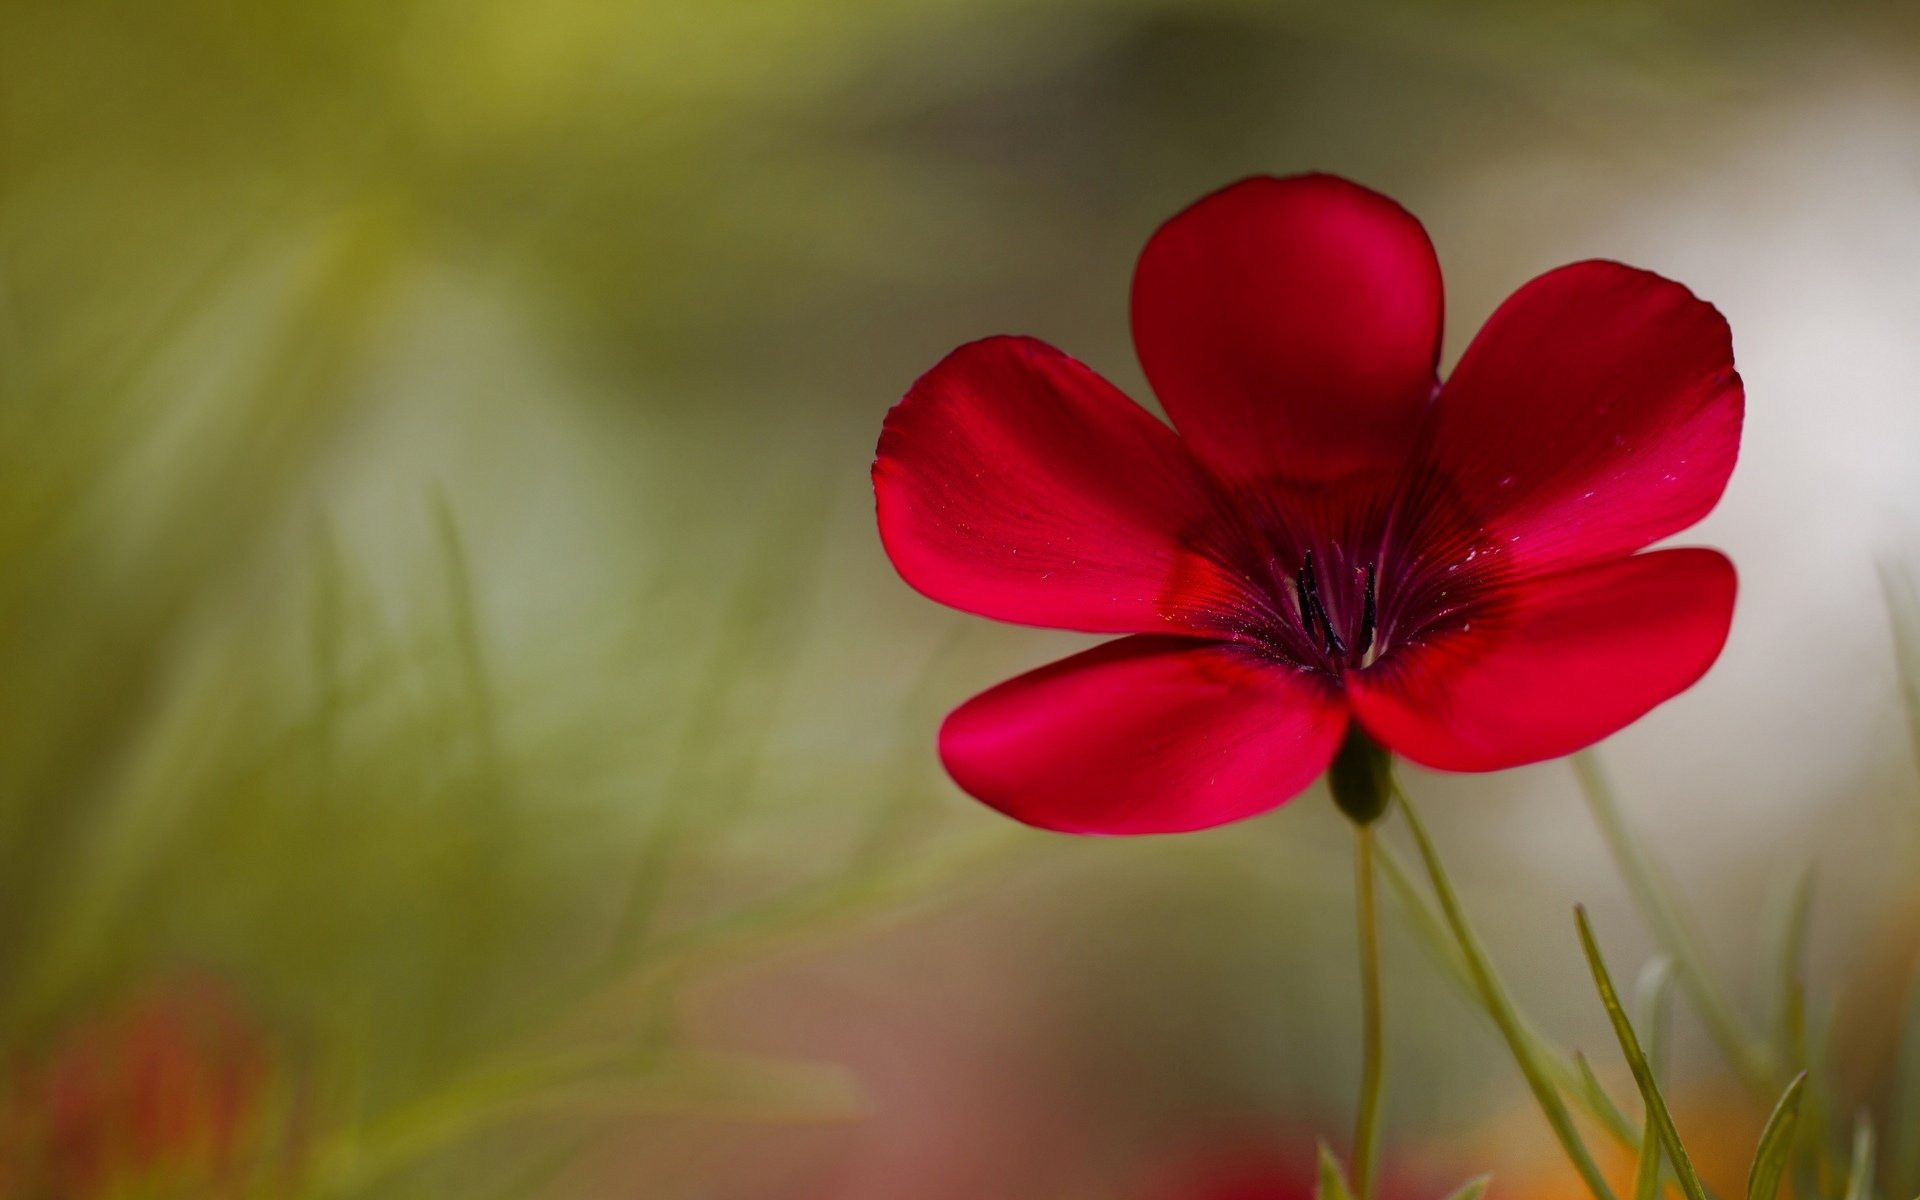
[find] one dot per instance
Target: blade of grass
(1790, 956)
(1333, 1181)
(1430, 930)
(1590, 1091)
(1791, 922)
(1903, 610)
(1650, 998)
(1671, 927)
(1776, 1143)
(469, 635)
(1472, 1188)
(681, 1083)
(1903, 1175)
(1860, 1165)
(921, 706)
(1637, 1062)
(1903, 1166)
(1499, 1006)
(758, 635)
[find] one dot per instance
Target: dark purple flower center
(1318, 624)
(1341, 599)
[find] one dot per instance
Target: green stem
(1366, 1126)
(1500, 1007)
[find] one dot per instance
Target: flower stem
(1366, 1126)
(1499, 1006)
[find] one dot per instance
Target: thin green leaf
(1903, 609)
(1654, 896)
(1860, 1166)
(1637, 1062)
(1776, 1143)
(1431, 931)
(1333, 1180)
(1472, 1188)
(679, 1083)
(1904, 1123)
(1499, 1006)
(1592, 1093)
(470, 640)
(1790, 955)
(1646, 1175)
(762, 606)
(1650, 998)
(1650, 994)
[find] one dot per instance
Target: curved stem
(1366, 1126)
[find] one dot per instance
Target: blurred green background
(441, 619)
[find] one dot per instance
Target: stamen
(1303, 593)
(1368, 614)
(1312, 608)
(1334, 644)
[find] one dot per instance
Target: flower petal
(1597, 412)
(1555, 665)
(1145, 735)
(1015, 483)
(1290, 327)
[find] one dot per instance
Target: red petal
(1597, 412)
(1145, 735)
(1015, 483)
(1560, 662)
(1290, 327)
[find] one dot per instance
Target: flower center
(1358, 615)
(1313, 580)
(1318, 624)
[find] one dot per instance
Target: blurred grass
(436, 579)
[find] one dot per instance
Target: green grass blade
(705, 785)
(1903, 611)
(1650, 999)
(1430, 929)
(1646, 1175)
(469, 636)
(1333, 1181)
(1790, 956)
(1592, 1094)
(1904, 1160)
(1860, 1165)
(1471, 1189)
(1671, 928)
(1776, 1143)
(1499, 1006)
(1637, 1062)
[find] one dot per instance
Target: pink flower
(1333, 538)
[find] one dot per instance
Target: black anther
(1312, 608)
(1303, 593)
(1368, 613)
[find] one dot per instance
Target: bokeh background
(459, 735)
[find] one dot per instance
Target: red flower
(166, 1089)
(1332, 535)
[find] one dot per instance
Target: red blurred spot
(166, 1088)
